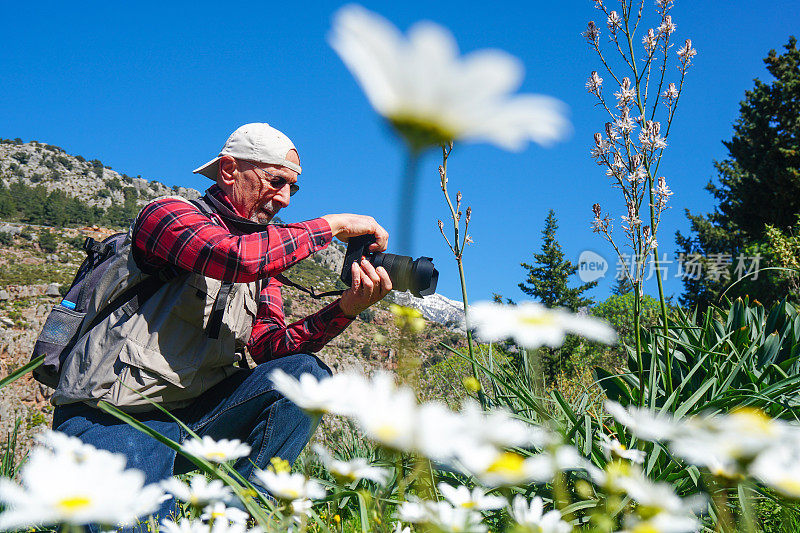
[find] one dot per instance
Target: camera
(407, 274)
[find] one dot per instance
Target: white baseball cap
(257, 142)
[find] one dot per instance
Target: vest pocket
(152, 365)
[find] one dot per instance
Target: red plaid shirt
(172, 231)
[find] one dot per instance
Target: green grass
(22, 274)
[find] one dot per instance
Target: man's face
(256, 195)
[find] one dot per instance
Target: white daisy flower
(779, 467)
(495, 467)
(198, 526)
(76, 485)
(477, 499)
(662, 523)
(532, 325)
(438, 431)
(289, 486)
(199, 492)
(499, 428)
(726, 444)
(442, 516)
(328, 395)
(644, 423)
(432, 95)
(357, 468)
(216, 451)
(614, 449)
(219, 511)
(532, 516)
(301, 507)
(184, 526)
(389, 415)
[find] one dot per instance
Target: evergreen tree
(759, 186)
(623, 286)
(548, 281)
(549, 276)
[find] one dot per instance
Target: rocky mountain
(93, 183)
(436, 308)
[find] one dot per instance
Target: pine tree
(759, 185)
(623, 286)
(548, 281)
(549, 276)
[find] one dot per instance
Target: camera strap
(247, 226)
(310, 291)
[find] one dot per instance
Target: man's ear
(227, 170)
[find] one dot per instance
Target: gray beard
(260, 216)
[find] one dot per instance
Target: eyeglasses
(276, 182)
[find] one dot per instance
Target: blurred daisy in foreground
(76, 485)
(199, 492)
(614, 449)
(219, 511)
(357, 468)
(477, 499)
(441, 516)
(216, 451)
(779, 468)
(532, 325)
(287, 486)
(531, 516)
(316, 397)
(644, 423)
(432, 95)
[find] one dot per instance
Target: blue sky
(154, 89)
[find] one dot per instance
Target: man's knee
(298, 364)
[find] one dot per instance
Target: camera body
(416, 275)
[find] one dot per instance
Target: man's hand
(346, 225)
(369, 285)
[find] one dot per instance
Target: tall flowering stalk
(634, 139)
(457, 247)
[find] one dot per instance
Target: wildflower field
(695, 430)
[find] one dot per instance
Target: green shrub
(6, 238)
(48, 242)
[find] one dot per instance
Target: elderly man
(184, 347)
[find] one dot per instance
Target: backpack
(65, 323)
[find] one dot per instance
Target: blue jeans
(244, 406)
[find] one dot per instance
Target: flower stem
(481, 395)
(458, 251)
(408, 189)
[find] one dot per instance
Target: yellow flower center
(507, 463)
(386, 432)
(472, 384)
(754, 420)
(280, 465)
(789, 486)
(538, 320)
(468, 505)
(73, 503)
(292, 494)
(216, 456)
(422, 132)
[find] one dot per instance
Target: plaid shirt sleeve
(272, 338)
(173, 231)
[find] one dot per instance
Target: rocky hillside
(91, 182)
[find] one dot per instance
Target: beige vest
(162, 349)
